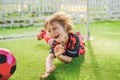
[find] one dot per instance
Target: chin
(58, 40)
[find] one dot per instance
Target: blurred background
(21, 18)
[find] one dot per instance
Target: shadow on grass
(94, 64)
(69, 71)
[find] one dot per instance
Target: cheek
(61, 30)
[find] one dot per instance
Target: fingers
(59, 50)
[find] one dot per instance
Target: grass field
(101, 61)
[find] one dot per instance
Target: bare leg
(64, 58)
(49, 66)
(43, 35)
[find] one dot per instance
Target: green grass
(101, 61)
(19, 30)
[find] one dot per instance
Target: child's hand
(59, 49)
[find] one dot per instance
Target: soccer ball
(7, 64)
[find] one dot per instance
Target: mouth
(56, 36)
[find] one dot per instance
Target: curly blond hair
(62, 18)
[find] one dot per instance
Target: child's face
(57, 32)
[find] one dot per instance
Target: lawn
(101, 61)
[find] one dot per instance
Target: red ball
(7, 64)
